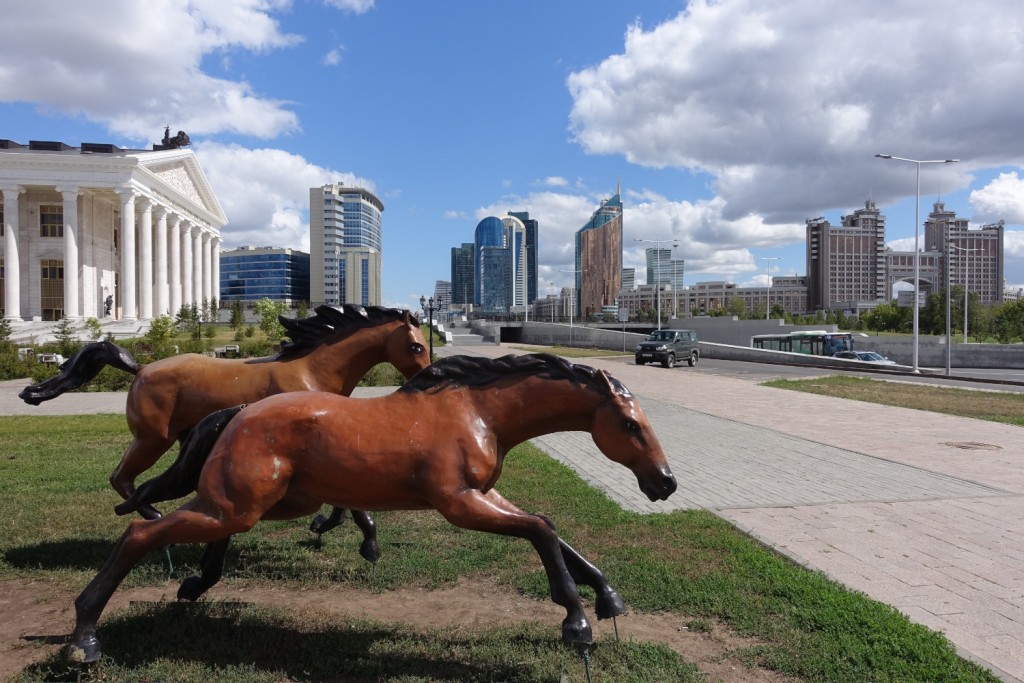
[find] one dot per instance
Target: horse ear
(607, 381)
(405, 316)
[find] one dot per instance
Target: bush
(12, 367)
(382, 375)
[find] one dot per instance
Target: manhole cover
(973, 446)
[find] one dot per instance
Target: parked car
(668, 346)
(866, 357)
(52, 358)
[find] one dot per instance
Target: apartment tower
(345, 245)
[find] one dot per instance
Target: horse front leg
(211, 569)
(474, 510)
(369, 550)
(141, 454)
(608, 603)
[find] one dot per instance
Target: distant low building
(252, 273)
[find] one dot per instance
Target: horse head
(624, 434)
(406, 348)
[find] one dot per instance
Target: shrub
(382, 375)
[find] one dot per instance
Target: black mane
(475, 371)
(330, 322)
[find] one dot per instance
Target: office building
(974, 258)
(515, 238)
(847, 263)
(345, 231)
(252, 273)
(599, 258)
(104, 232)
(492, 266)
(628, 279)
(462, 274)
(532, 232)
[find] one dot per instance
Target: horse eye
(632, 426)
(416, 348)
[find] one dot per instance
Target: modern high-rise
(974, 258)
(532, 228)
(599, 258)
(846, 263)
(252, 273)
(492, 271)
(462, 274)
(515, 238)
(663, 269)
(345, 245)
(628, 279)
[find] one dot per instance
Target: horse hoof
(609, 605)
(191, 589)
(317, 522)
(149, 512)
(369, 551)
(577, 631)
(83, 651)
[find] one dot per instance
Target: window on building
(51, 221)
(51, 288)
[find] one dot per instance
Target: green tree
(67, 338)
(161, 331)
(237, 315)
(302, 310)
(268, 312)
(737, 307)
(94, 327)
(5, 335)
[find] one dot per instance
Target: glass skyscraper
(252, 273)
(492, 266)
(345, 245)
(599, 258)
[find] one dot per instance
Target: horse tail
(182, 477)
(82, 367)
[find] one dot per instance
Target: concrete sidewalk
(917, 510)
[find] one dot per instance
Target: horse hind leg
(181, 526)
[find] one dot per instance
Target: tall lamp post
(967, 264)
(657, 277)
(917, 234)
(675, 294)
(768, 298)
(428, 307)
(572, 299)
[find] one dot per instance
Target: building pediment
(178, 174)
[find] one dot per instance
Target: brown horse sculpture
(438, 442)
(330, 351)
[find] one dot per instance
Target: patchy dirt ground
(36, 619)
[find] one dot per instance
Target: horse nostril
(668, 483)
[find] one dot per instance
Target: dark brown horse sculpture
(438, 442)
(330, 351)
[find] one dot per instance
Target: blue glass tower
(491, 263)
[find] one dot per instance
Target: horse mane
(476, 371)
(331, 321)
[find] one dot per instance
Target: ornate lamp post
(428, 307)
(917, 235)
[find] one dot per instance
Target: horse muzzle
(659, 486)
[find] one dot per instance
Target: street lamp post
(917, 252)
(428, 307)
(967, 264)
(768, 298)
(572, 300)
(657, 277)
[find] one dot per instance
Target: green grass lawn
(57, 527)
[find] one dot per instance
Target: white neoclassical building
(99, 231)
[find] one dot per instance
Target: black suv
(668, 346)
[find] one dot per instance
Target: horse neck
(538, 406)
(343, 363)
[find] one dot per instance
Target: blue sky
(727, 123)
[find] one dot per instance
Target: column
(145, 258)
(216, 268)
(197, 266)
(71, 266)
(126, 297)
(160, 281)
(12, 262)
(174, 222)
(207, 268)
(186, 264)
